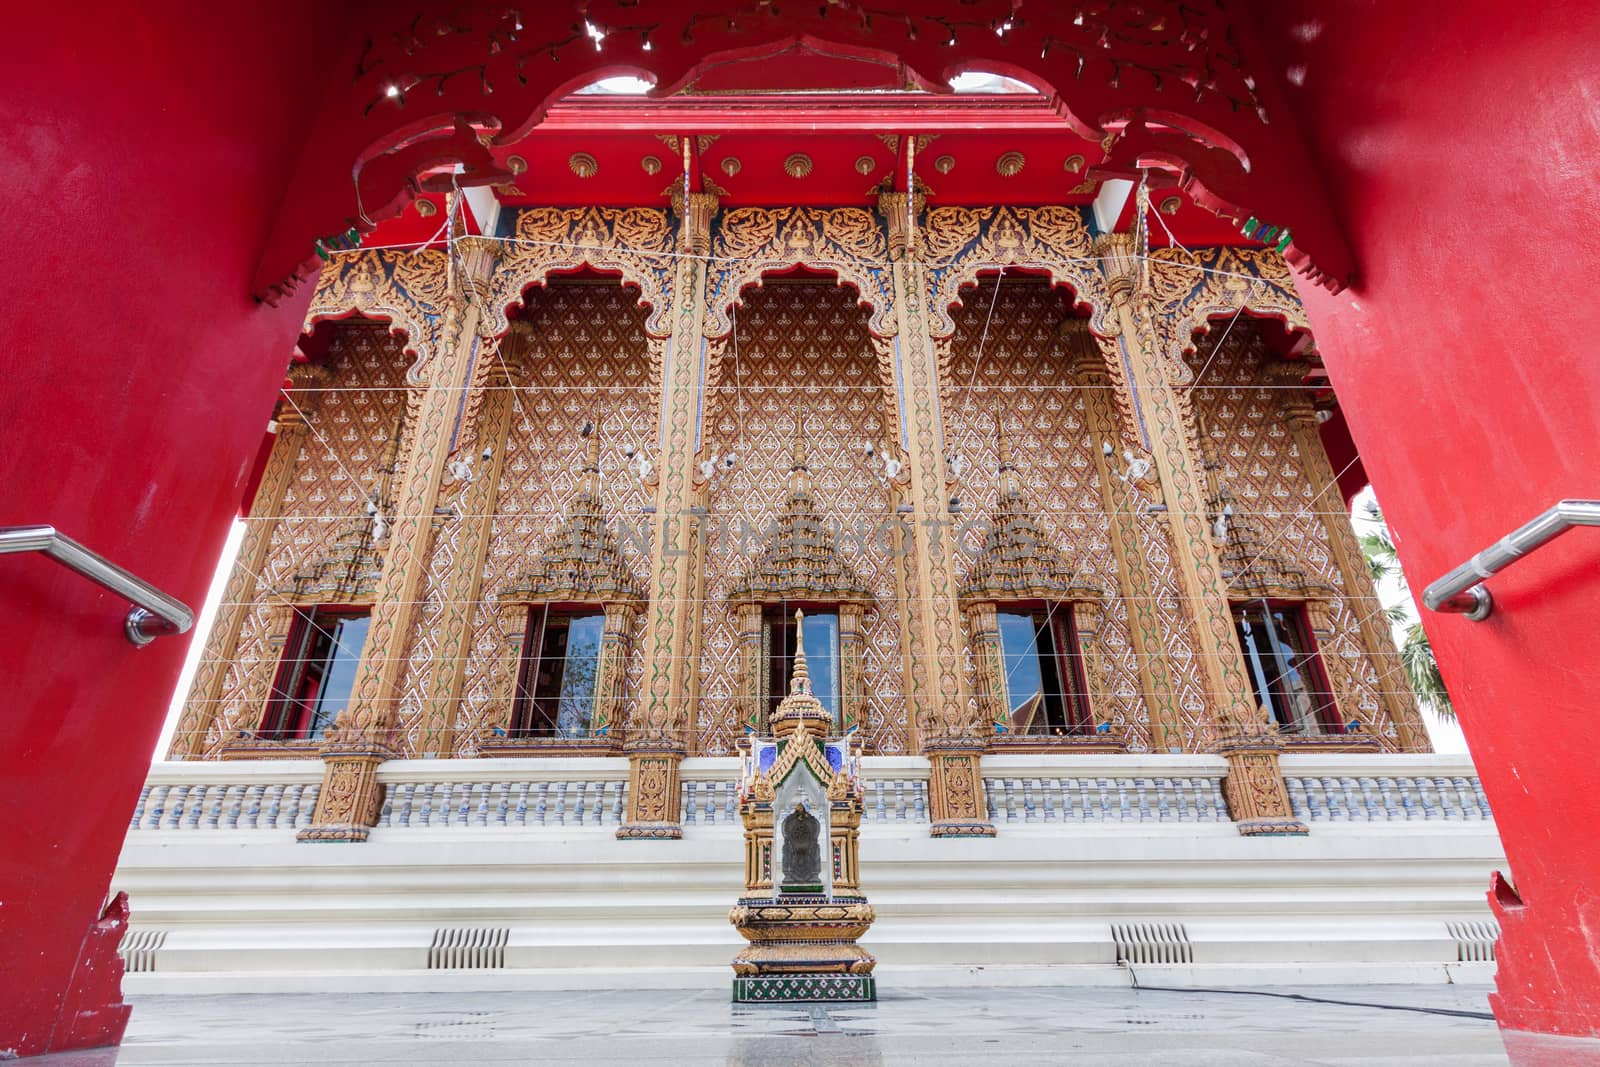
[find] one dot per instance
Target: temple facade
(556, 495)
(1059, 487)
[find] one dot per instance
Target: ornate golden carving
(636, 242)
(731, 166)
(945, 164)
(406, 289)
(961, 242)
(1247, 741)
(865, 165)
(583, 164)
(797, 165)
(1010, 164)
(204, 703)
(1189, 289)
(750, 242)
(800, 562)
(803, 919)
(583, 564)
(651, 165)
(1360, 597)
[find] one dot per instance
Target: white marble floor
(1375, 1026)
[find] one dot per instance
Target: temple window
(559, 671)
(316, 673)
(822, 658)
(1043, 673)
(1284, 668)
(566, 624)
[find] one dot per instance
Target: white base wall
(1044, 902)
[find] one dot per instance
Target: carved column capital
(1119, 262)
(898, 210)
(477, 257)
(697, 216)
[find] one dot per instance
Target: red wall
(141, 157)
(1461, 148)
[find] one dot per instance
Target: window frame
(781, 615)
(289, 717)
(524, 695)
(1326, 715)
(1066, 651)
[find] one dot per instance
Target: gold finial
(591, 463)
(1008, 468)
(800, 680)
(799, 473)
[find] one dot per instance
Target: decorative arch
(960, 243)
(405, 289)
(636, 242)
(751, 242)
(1171, 81)
(1192, 288)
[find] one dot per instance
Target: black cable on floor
(1455, 1012)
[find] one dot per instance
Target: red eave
(812, 113)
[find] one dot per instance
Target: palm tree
(1416, 654)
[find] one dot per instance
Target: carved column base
(955, 788)
(351, 798)
(1258, 801)
(653, 793)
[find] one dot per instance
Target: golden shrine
(801, 797)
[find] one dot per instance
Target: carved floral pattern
(747, 243)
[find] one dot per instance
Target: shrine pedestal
(801, 799)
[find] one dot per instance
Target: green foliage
(1416, 654)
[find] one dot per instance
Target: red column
(142, 156)
(1461, 149)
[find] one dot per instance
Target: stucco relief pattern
(351, 426)
(804, 351)
(1023, 378)
(1261, 468)
(588, 359)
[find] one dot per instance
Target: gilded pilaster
(952, 730)
(363, 736)
(205, 695)
(983, 630)
(1123, 506)
(1377, 640)
(657, 739)
(475, 502)
(1254, 789)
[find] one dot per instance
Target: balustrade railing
(280, 795)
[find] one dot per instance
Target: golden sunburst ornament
(651, 165)
(945, 164)
(1010, 164)
(583, 164)
(797, 165)
(731, 166)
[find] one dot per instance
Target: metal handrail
(1462, 590)
(155, 613)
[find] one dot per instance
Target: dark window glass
(822, 660)
(1043, 680)
(317, 673)
(560, 661)
(1284, 669)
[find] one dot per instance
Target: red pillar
(142, 157)
(1461, 149)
